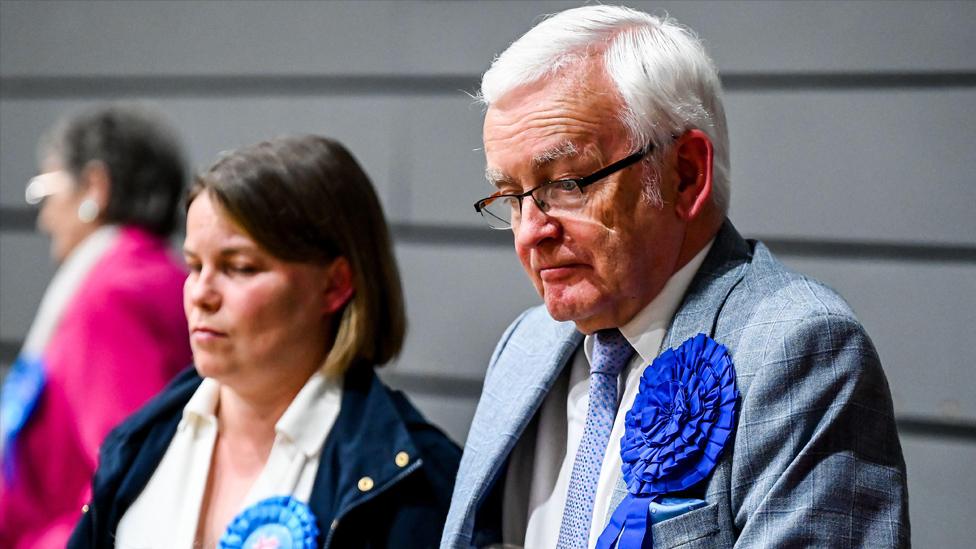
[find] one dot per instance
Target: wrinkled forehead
(578, 92)
(536, 126)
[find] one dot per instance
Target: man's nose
(534, 225)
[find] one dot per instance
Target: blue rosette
(280, 522)
(19, 396)
(674, 434)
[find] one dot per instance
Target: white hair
(667, 82)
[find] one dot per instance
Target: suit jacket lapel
(515, 387)
(722, 270)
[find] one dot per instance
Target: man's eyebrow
(552, 154)
(496, 177)
(563, 150)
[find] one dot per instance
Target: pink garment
(121, 339)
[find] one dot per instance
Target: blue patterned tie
(611, 352)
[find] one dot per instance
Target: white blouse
(166, 513)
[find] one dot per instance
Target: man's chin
(587, 319)
(561, 311)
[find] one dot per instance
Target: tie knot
(611, 351)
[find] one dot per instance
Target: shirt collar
(646, 330)
(306, 421)
(202, 406)
(309, 417)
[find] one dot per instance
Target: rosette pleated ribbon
(674, 434)
(280, 522)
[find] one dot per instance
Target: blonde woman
(283, 434)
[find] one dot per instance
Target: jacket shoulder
(127, 458)
(770, 284)
(440, 454)
(172, 398)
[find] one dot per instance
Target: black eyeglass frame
(580, 182)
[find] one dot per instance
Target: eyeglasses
(561, 196)
(46, 184)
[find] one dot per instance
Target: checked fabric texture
(611, 352)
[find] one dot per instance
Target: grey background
(851, 125)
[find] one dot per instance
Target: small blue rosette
(19, 396)
(674, 434)
(280, 522)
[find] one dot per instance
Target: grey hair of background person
(666, 80)
(142, 153)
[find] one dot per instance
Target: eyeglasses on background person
(41, 186)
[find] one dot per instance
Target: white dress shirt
(167, 512)
(542, 462)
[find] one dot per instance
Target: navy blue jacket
(378, 434)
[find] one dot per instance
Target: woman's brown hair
(306, 199)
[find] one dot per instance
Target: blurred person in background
(109, 332)
(283, 436)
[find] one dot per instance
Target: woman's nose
(202, 291)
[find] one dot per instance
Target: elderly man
(680, 387)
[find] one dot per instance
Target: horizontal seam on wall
(204, 85)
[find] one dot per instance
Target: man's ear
(340, 286)
(97, 183)
(694, 170)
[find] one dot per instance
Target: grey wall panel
(920, 316)
(25, 269)
(839, 165)
(870, 166)
(892, 166)
(826, 35)
(941, 488)
(423, 153)
(367, 125)
(216, 37)
(449, 412)
(459, 301)
(761, 35)
(448, 159)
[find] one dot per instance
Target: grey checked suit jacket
(815, 459)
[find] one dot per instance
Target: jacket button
(365, 484)
(84, 508)
(402, 459)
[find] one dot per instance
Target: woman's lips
(205, 335)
